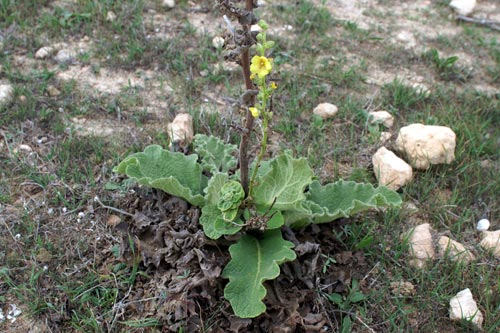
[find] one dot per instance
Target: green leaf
(216, 156)
(285, 182)
(214, 225)
(276, 218)
(346, 198)
(230, 214)
(213, 189)
(174, 173)
(346, 324)
(336, 298)
(356, 296)
(254, 261)
(231, 196)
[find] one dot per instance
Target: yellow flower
(255, 112)
(260, 66)
(273, 85)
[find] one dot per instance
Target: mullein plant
(282, 191)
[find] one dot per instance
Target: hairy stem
(245, 137)
(263, 149)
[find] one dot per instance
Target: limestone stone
(110, 16)
(421, 247)
(384, 137)
(53, 91)
(325, 110)
(491, 242)
(426, 144)
(463, 7)
(381, 117)
(169, 4)
(402, 288)
(6, 93)
(65, 56)
(218, 42)
(390, 170)
(454, 250)
(181, 130)
(44, 52)
(463, 307)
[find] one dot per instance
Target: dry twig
(488, 23)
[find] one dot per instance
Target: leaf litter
(182, 285)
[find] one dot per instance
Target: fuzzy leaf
(254, 261)
(174, 173)
(214, 225)
(216, 156)
(231, 196)
(285, 182)
(276, 218)
(212, 191)
(346, 198)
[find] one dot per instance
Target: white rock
(426, 144)
(53, 91)
(169, 4)
(325, 110)
(22, 147)
(421, 89)
(110, 16)
(6, 93)
(409, 208)
(491, 242)
(218, 42)
(421, 248)
(181, 130)
(463, 7)
(384, 137)
(381, 117)
(44, 52)
(463, 307)
(483, 225)
(64, 56)
(390, 170)
(13, 313)
(454, 250)
(255, 28)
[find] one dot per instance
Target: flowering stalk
(260, 69)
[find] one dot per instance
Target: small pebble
(483, 225)
(110, 16)
(218, 42)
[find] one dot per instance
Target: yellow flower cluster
(260, 66)
(255, 112)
